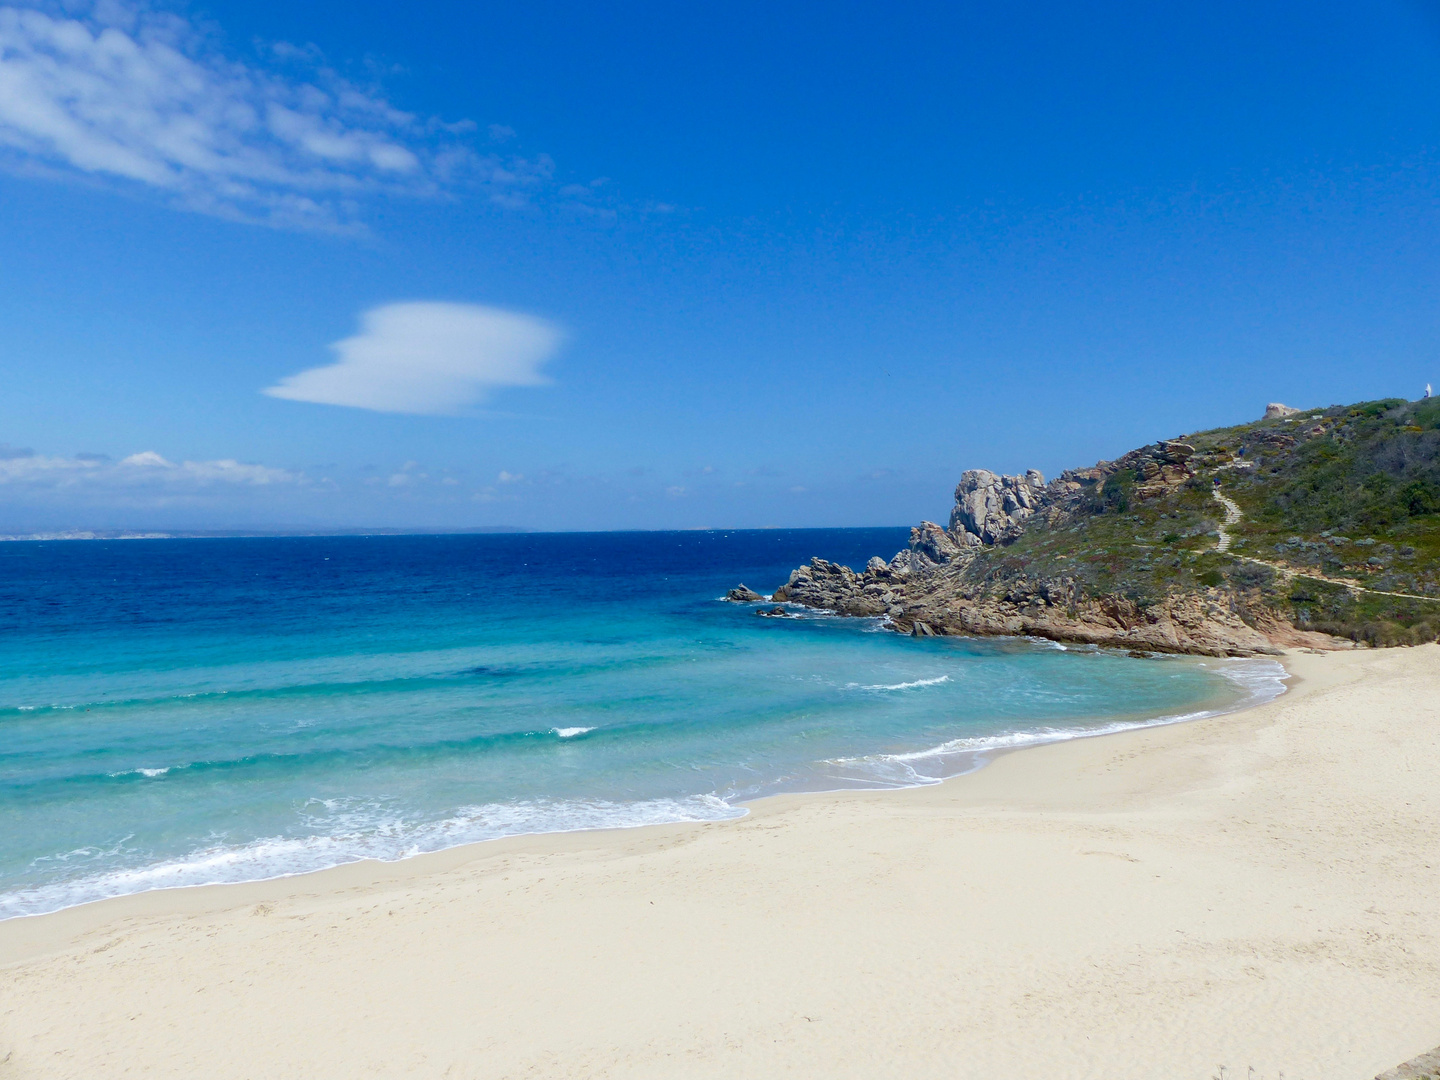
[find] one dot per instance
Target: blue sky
(572, 266)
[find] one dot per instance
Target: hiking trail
(1233, 515)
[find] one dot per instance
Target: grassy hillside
(1349, 492)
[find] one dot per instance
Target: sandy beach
(1256, 890)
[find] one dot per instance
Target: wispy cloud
(146, 469)
(145, 100)
(427, 358)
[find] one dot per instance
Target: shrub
(1379, 633)
(1114, 496)
(1419, 497)
(1384, 633)
(1247, 575)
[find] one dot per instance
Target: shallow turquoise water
(190, 711)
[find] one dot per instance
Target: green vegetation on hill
(1350, 493)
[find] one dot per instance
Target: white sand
(1255, 890)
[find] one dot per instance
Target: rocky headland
(1234, 542)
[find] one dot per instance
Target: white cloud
(229, 471)
(50, 471)
(147, 459)
(145, 469)
(142, 98)
(427, 358)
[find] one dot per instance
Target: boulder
(933, 542)
(1274, 411)
(741, 595)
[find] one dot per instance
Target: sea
(179, 712)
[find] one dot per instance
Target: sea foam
(372, 833)
(1262, 681)
(906, 685)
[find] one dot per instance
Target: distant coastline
(237, 534)
(322, 531)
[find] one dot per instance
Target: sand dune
(1254, 890)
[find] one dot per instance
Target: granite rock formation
(990, 509)
(956, 580)
(922, 597)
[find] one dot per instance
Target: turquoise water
(179, 712)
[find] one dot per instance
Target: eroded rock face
(1182, 624)
(1158, 467)
(925, 598)
(933, 542)
(1274, 411)
(990, 508)
(1263, 442)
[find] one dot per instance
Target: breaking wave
(368, 832)
(905, 685)
(1262, 681)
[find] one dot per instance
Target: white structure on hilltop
(1427, 389)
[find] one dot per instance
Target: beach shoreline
(1258, 680)
(998, 845)
(975, 758)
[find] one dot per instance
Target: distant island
(1316, 528)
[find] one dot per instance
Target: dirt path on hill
(1233, 514)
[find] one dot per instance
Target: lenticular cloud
(427, 358)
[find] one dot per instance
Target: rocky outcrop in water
(953, 580)
(741, 595)
(925, 598)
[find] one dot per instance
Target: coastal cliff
(1318, 528)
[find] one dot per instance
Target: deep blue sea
(178, 712)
